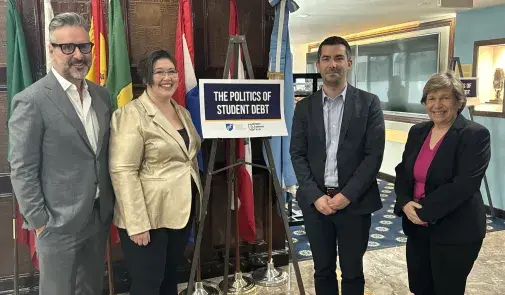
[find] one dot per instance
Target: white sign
(242, 108)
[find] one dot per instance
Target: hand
(39, 230)
(141, 239)
(339, 202)
(322, 205)
(410, 211)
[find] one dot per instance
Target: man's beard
(75, 73)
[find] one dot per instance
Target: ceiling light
(424, 3)
(303, 15)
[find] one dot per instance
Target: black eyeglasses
(69, 48)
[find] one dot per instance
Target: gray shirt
(333, 110)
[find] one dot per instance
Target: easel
(456, 62)
(233, 50)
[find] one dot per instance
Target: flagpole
(270, 276)
(15, 246)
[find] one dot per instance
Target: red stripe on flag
(247, 220)
(184, 30)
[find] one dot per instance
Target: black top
(185, 136)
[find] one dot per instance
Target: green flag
(19, 75)
(119, 80)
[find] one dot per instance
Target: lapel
(416, 147)
(160, 120)
(448, 145)
(58, 96)
(351, 102)
(100, 109)
(317, 116)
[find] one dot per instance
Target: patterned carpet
(386, 230)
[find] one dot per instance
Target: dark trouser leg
(177, 241)
(451, 265)
(419, 264)
(146, 264)
(321, 233)
(352, 236)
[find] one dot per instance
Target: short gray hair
(445, 80)
(67, 19)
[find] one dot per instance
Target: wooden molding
(399, 29)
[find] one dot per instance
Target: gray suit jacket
(54, 171)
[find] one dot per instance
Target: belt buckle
(331, 191)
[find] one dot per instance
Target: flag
(119, 80)
(18, 78)
(247, 221)
(281, 67)
(98, 71)
(187, 90)
(48, 16)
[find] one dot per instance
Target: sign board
(242, 108)
(470, 85)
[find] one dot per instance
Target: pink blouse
(422, 165)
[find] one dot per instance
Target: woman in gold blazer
(155, 175)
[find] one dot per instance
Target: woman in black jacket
(438, 191)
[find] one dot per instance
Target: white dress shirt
(84, 110)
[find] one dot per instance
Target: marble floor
(386, 272)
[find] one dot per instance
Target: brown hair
(445, 80)
(145, 67)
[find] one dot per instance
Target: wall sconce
(498, 81)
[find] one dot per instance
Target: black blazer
(360, 150)
(453, 204)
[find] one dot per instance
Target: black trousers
(153, 268)
(439, 269)
(348, 232)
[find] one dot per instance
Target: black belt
(332, 191)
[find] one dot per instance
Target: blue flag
(281, 65)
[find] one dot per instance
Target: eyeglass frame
(75, 45)
(169, 73)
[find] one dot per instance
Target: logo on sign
(255, 126)
(229, 127)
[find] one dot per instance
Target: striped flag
(98, 71)
(119, 80)
(247, 221)
(19, 77)
(48, 16)
(187, 90)
(281, 67)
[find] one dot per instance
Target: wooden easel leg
(203, 216)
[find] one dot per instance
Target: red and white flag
(247, 221)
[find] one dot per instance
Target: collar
(150, 107)
(341, 94)
(65, 84)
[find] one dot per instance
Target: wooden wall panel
(6, 244)
(152, 26)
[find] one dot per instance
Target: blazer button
(96, 182)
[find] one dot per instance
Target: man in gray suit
(59, 135)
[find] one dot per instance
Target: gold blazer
(151, 168)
